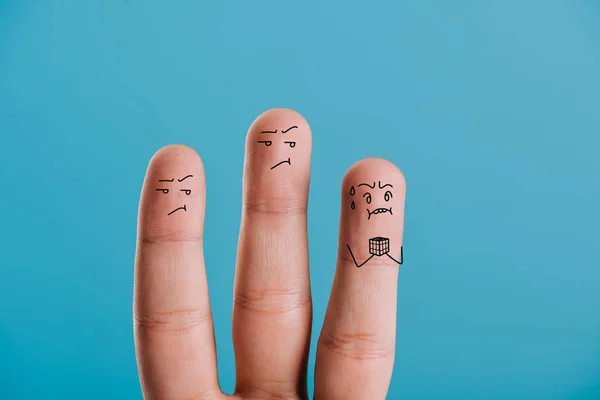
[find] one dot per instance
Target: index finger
(174, 336)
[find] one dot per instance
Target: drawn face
(171, 190)
(376, 198)
(272, 138)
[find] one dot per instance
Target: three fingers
(272, 313)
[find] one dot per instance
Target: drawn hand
(272, 313)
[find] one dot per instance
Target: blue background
(491, 109)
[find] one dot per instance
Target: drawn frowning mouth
(380, 211)
(288, 161)
(177, 209)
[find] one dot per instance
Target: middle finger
(272, 300)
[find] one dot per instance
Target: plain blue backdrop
(490, 108)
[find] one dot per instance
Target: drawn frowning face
(270, 140)
(170, 190)
(375, 198)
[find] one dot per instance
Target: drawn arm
(357, 265)
(401, 256)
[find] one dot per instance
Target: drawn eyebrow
(289, 129)
(387, 184)
(366, 184)
(166, 180)
(275, 131)
(182, 179)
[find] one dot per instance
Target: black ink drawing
(177, 209)
(187, 192)
(379, 211)
(368, 199)
(289, 129)
(289, 143)
(288, 161)
(378, 246)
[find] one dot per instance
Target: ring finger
(355, 354)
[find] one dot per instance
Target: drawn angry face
(376, 198)
(166, 189)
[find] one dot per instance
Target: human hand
(272, 314)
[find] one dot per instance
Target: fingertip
(174, 157)
(371, 167)
(277, 116)
(277, 163)
(280, 123)
(173, 195)
(373, 197)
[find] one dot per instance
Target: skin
(272, 313)
(374, 205)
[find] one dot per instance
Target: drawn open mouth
(288, 161)
(380, 211)
(177, 209)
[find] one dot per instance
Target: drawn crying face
(171, 190)
(376, 198)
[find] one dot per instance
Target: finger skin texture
(355, 353)
(174, 337)
(272, 300)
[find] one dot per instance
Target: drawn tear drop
(352, 192)
(352, 206)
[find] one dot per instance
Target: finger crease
(271, 301)
(357, 346)
(275, 206)
(174, 237)
(179, 321)
(254, 393)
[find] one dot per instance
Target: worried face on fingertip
(375, 199)
(270, 138)
(169, 188)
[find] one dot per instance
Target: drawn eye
(368, 197)
(266, 142)
(292, 144)
(165, 191)
(388, 195)
(187, 191)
